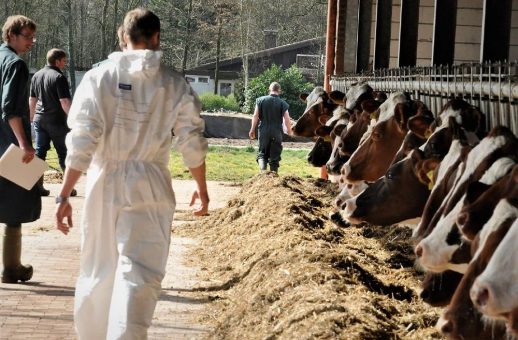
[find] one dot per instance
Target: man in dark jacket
(49, 104)
(270, 113)
(17, 205)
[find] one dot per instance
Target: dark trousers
(46, 132)
(270, 148)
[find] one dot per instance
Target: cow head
(319, 107)
(480, 202)
(399, 195)
(460, 319)
(438, 289)
(373, 157)
(495, 292)
(320, 153)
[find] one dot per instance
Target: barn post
(330, 42)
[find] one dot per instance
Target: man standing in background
(17, 205)
(270, 112)
(49, 103)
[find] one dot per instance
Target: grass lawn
(231, 164)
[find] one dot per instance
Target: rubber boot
(43, 191)
(14, 271)
(262, 165)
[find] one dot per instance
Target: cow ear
(475, 189)
(400, 113)
(323, 131)
(422, 110)
(337, 97)
(379, 96)
(323, 119)
(420, 125)
(303, 96)
(426, 171)
(370, 105)
(471, 118)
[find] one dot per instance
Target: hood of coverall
(138, 63)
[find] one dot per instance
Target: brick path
(42, 308)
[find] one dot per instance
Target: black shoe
(73, 193)
(20, 273)
(44, 192)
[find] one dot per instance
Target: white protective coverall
(121, 120)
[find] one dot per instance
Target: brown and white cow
(495, 290)
(373, 156)
(349, 139)
(444, 248)
(319, 107)
(388, 200)
(481, 200)
(460, 320)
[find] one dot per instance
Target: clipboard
(22, 174)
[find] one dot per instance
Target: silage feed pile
(277, 268)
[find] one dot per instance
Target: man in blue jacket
(17, 205)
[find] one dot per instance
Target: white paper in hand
(22, 174)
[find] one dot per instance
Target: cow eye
(376, 135)
(389, 175)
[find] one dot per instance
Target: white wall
(206, 87)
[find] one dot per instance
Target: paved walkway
(42, 308)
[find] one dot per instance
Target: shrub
(214, 102)
(292, 84)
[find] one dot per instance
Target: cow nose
(418, 250)
(338, 202)
(480, 295)
(462, 219)
(448, 327)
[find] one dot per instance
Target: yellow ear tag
(429, 174)
(328, 139)
(373, 115)
(427, 133)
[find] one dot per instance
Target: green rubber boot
(14, 271)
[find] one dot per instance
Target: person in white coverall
(121, 121)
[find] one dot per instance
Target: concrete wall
(234, 126)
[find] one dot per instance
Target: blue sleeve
(15, 102)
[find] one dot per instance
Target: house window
(190, 80)
(225, 89)
(204, 80)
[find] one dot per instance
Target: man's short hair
(275, 86)
(15, 24)
(140, 25)
(54, 55)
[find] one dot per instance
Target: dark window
(225, 89)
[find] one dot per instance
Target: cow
(319, 107)
(481, 200)
(495, 290)
(373, 157)
(444, 248)
(349, 139)
(402, 193)
(460, 320)
(373, 205)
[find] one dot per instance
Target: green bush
(292, 84)
(214, 102)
